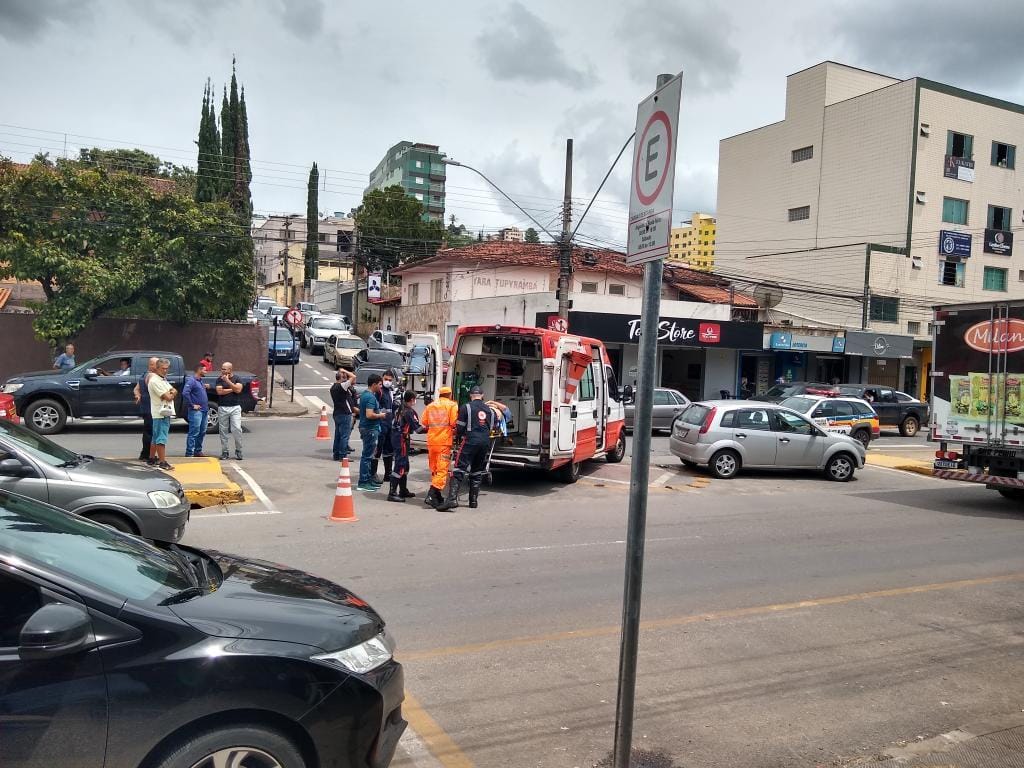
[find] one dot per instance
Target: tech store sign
(672, 331)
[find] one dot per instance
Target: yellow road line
(440, 744)
(678, 621)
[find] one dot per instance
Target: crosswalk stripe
(316, 401)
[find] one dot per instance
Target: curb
(899, 463)
(205, 483)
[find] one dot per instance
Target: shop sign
(959, 168)
(672, 331)
(954, 243)
(797, 342)
(839, 344)
(879, 345)
(999, 242)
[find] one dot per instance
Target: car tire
(840, 468)
(725, 464)
(212, 417)
(113, 520)
(863, 436)
(909, 426)
(46, 417)
(568, 473)
(618, 453)
(249, 746)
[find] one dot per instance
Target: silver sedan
(668, 403)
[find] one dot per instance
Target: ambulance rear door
(563, 414)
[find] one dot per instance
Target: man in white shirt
(161, 398)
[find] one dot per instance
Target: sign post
(650, 224)
(294, 319)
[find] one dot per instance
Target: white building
(861, 159)
(282, 238)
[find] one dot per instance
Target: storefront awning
(879, 344)
(673, 331)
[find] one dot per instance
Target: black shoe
(405, 493)
(451, 501)
(165, 466)
(238, 457)
(433, 497)
(152, 462)
(224, 456)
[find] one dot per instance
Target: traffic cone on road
(343, 510)
(322, 430)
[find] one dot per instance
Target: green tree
(135, 161)
(243, 176)
(312, 226)
(110, 242)
(457, 236)
(531, 235)
(227, 148)
(208, 162)
(392, 229)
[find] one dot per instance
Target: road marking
(317, 403)
(247, 513)
(598, 479)
(309, 366)
(433, 736)
(679, 621)
(313, 386)
(570, 546)
(416, 751)
(254, 486)
(884, 448)
(663, 478)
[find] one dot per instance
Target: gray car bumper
(167, 525)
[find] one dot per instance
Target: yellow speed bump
(205, 483)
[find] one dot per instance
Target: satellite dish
(767, 295)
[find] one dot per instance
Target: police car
(845, 415)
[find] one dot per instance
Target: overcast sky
(498, 85)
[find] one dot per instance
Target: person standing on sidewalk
(141, 393)
(370, 416)
(197, 410)
(439, 418)
(386, 400)
(229, 410)
(161, 396)
(406, 422)
(342, 399)
(207, 362)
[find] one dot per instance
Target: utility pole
(565, 242)
(287, 239)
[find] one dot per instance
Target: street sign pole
(653, 179)
(273, 362)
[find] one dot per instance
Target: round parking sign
(654, 158)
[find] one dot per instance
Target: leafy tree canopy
(392, 229)
(105, 241)
(531, 235)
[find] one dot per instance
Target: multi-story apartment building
(511, 234)
(872, 200)
(693, 244)
(419, 170)
(280, 239)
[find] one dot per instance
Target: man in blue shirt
(197, 410)
(65, 360)
(370, 415)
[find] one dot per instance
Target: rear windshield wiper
(183, 596)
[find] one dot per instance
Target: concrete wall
(243, 344)
(719, 372)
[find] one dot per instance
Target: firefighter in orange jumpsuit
(439, 418)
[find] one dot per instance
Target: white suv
(320, 328)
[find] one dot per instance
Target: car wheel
(862, 436)
(618, 453)
(568, 473)
(910, 426)
(725, 464)
(239, 747)
(211, 419)
(840, 467)
(115, 521)
(47, 417)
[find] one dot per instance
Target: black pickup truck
(103, 388)
(894, 409)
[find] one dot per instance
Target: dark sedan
(282, 346)
(116, 653)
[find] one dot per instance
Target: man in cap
(439, 418)
(473, 433)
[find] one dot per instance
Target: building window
(995, 279)
(931, 328)
(913, 327)
(885, 309)
(959, 145)
(414, 293)
(952, 273)
(955, 211)
(804, 153)
(999, 217)
(800, 214)
(437, 291)
(1020, 275)
(1003, 155)
(616, 289)
(321, 237)
(419, 179)
(588, 287)
(419, 196)
(419, 163)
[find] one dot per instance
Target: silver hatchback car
(726, 435)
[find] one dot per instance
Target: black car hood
(34, 375)
(265, 601)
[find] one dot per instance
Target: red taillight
(707, 421)
(545, 423)
(254, 388)
(947, 455)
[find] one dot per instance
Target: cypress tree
(227, 149)
(243, 173)
(312, 226)
(208, 161)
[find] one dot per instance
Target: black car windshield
(70, 545)
(37, 446)
(783, 390)
(328, 323)
(353, 343)
(364, 372)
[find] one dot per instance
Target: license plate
(946, 464)
(282, 354)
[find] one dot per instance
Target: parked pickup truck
(907, 415)
(102, 388)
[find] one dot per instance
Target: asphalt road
(789, 621)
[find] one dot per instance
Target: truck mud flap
(993, 481)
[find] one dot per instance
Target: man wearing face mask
(385, 449)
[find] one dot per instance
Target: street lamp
(543, 229)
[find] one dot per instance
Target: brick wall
(243, 344)
(421, 316)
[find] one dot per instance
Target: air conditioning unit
(921, 197)
(926, 130)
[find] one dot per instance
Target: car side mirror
(54, 630)
(91, 374)
(14, 468)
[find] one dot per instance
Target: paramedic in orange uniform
(439, 418)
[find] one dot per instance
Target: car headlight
(163, 499)
(10, 389)
(364, 657)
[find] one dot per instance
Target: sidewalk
(903, 463)
(994, 743)
(205, 483)
(283, 404)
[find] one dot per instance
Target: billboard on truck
(978, 379)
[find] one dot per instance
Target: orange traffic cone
(322, 431)
(343, 511)
(578, 362)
